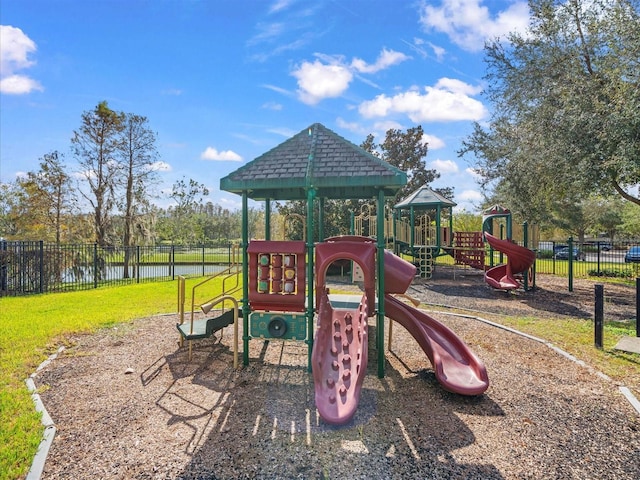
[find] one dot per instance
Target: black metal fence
(588, 259)
(38, 267)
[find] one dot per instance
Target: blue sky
(223, 81)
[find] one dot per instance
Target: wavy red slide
(339, 360)
(456, 367)
(519, 260)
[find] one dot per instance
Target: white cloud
(448, 101)
(444, 166)
(439, 52)
(18, 85)
(172, 91)
(470, 196)
(228, 155)
(15, 48)
(317, 81)
(473, 173)
(329, 76)
(457, 86)
(386, 59)
(279, 5)
(433, 142)
(469, 23)
(272, 106)
(352, 127)
(160, 167)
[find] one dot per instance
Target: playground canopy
(315, 159)
(424, 198)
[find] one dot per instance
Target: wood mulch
(543, 415)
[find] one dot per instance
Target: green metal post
(394, 227)
(501, 238)
(570, 242)
(412, 220)
(450, 226)
(438, 239)
(245, 279)
(321, 220)
(380, 268)
(311, 193)
(267, 219)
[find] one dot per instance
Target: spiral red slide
(519, 260)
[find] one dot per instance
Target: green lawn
(33, 327)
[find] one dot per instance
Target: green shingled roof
(424, 197)
(315, 158)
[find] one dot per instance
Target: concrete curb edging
(630, 397)
(37, 465)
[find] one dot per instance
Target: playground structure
(422, 236)
(284, 282)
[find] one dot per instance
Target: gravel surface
(543, 416)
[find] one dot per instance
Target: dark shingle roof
(315, 158)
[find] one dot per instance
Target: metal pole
(380, 272)
(638, 307)
(41, 265)
(267, 219)
(245, 279)
(599, 314)
(570, 242)
(311, 195)
(95, 265)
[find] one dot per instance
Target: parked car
(563, 254)
(605, 247)
(632, 255)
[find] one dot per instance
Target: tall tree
(47, 197)
(566, 105)
(9, 216)
(407, 151)
(96, 145)
(185, 225)
(138, 150)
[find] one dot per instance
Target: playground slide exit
(519, 260)
(456, 367)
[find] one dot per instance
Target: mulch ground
(543, 416)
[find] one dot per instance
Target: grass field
(33, 327)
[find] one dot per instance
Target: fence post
(137, 263)
(203, 259)
(172, 259)
(638, 307)
(95, 265)
(599, 314)
(41, 269)
(570, 264)
(3, 266)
